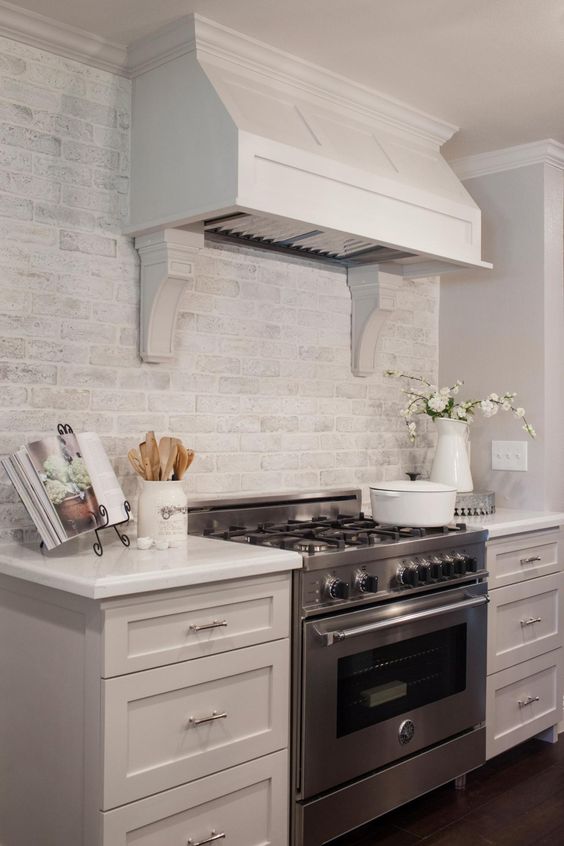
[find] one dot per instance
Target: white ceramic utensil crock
(162, 512)
(418, 504)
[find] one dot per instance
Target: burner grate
(325, 534)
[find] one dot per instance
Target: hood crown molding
(207, 37)
(60, 38)
(546, 151)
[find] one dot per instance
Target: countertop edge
(43, 571)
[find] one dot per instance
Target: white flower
(488, 408)
(437, 403)
(529, 430)
(455, 390)
(506, 405)
(444, 392)
(459, 383)
(458, 412)
(519, 412)
(493, 397)
(412, 426)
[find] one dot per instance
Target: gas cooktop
(326, 534)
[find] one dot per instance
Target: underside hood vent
(291, 237)
(260, 147)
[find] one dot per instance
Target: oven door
(382, 683)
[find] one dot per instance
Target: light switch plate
(509, 455)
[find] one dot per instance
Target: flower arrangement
(441, 402)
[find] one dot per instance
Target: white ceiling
(493, 67)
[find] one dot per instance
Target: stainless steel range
(389, 646)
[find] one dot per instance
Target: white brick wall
(261, 387)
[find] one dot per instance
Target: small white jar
(162, 511)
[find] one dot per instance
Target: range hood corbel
(373, 295)
(166, 270)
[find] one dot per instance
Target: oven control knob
(436, 569)
(424, 572)
(471, 564)
(447, 566)
(408, 574)
(365, 583)
(459, 564)
(336, 588)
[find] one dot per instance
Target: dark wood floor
(517, 799)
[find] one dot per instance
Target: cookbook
(62, 480)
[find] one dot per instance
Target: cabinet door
(190, 624)
(521, 557)
(523, 701)
(524, 620)
(243, 806)
(174, 724)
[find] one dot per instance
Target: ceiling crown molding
(218, 42)
(547, 151)
(60, 38)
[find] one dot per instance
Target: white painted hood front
(257, 146)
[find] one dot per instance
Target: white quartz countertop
(511, 521)
(120, 571)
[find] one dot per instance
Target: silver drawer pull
(215, 624)
(211, 839)
(197, 721)
(522, 703)
(531, 560)
(531, 620)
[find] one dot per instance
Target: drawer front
(522, 557)
(247, 804)
(523, 701)
(174, 724)
(524, 620)
(195, 623)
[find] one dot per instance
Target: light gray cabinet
(525, 674)
(154, 719)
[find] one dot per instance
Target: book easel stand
(97, 546)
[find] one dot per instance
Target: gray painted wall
(502, 330)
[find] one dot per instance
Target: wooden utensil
(181, 460)
(165, 447)
(153, 454)
(135, 461)
(146, 461)
(191, 457)
(170, 462)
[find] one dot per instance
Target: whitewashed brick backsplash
(261, 387)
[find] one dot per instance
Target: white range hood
(249, 144)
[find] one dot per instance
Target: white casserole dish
(419, 504)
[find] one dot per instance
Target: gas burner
(311, 546)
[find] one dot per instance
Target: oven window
(387, 681)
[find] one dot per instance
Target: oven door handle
(330, 638)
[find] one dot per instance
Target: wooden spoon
(135, 461)
(191, 457)
(165, 447)
(153, 454)
(181, 460)
(171, 457)
(146, 461)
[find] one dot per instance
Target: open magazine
(62, 480)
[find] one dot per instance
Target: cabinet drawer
(523, 701)
(248, 804)
(522, 557)
(191, 624)
(524, 620)
(174, 724)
